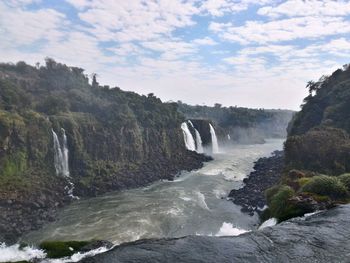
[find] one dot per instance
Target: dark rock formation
(323, 237)
(267, 172)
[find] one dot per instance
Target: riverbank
(20, 214)
(267, 172)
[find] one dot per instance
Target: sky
(251, 53)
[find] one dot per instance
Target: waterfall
(199, 144)
(189, 141)
(214, 139)
(61, 160)
(61, 154)
(228, 137)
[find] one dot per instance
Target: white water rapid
(214, 140)
(189, 141)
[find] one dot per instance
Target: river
(193, 204)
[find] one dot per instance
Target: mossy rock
(60, 249)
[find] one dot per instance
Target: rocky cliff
(237, 124)
(115, 140)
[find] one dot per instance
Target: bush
(303, 181)
(270, 192)
(279, 206)
(326, 185)
(345, 179)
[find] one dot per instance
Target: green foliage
(324, 150)
(326, 185)
(270, 192)
(14, 164)
(345, 179)
(303, 181)
(52, 105)
(60, 249)
(327, 103)
(279, 206)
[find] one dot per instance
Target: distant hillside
(243, 125)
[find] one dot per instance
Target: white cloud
(206, 41)
(294, 8)
(219, 8)
(22, 27)
(135, 19)
(282, 30)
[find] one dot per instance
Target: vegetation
(108, 130)
(60, 249)
(326, 185)
(318, 143)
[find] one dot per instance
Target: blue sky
(254, 53)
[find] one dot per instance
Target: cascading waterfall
(61, 160)
(199, 144)
(228, 137)
(214, 139)
(189, 141)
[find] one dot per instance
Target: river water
(193, 204)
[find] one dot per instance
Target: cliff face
(243, 125)
(115, 140)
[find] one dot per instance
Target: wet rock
(96, 244)
(267, 172)
(321, 238)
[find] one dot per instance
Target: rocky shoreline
(267, 172)
(20, 214)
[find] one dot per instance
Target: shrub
(279, 206)
(270, 192)
(326, 185)
(345, 179)
(303, 181)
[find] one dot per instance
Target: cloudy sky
(254, 53)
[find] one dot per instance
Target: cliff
(317, 151)
(243, 125)
(115, 140)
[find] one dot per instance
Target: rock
(267, 172)
(321, 238)
(96, 244)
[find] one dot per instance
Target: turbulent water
(193, 204)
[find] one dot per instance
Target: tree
(94, 81)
